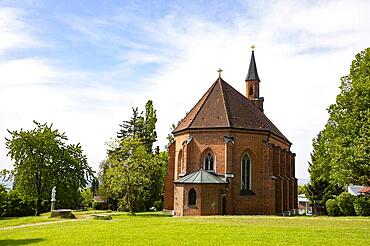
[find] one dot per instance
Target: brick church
(229, 158)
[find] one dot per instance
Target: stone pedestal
(62, 213)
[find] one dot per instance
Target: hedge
(332, 207)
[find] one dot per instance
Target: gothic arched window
(251, 90)
(246, 173)
(179, 161)
(208, 163)
(192, 197)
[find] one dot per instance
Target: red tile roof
(224, 107)
(364, 190)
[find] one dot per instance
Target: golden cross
(253, 47)
(219, 72)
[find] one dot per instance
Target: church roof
(201, 177)
(252, 72)
(224, 107)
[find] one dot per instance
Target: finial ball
(253, 47)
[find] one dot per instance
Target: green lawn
(157, 229)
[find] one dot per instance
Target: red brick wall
(168, 180)
(269, 156)
(268, 186)
(211, 198)
(181, 200)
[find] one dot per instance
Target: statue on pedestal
(53, 200)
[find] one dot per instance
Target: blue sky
(82, 65)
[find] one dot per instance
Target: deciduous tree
(341, 151)
(42, 159)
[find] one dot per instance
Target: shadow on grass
(20, 241)
(152, 215)
(142, 215)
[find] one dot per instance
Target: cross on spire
(219, 72)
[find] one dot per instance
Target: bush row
(13, 205)
(347, 205)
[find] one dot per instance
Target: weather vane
(219, 72)
(253, 47)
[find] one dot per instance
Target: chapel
(228, 158)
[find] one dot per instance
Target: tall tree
(141, 126)
(341, 151)
(349, 125)
(133, 128)
(150, 135)
(42, 159)
(170, 138)
(127, 174)
(133, 173)
(94, 186)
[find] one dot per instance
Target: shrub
(102, 217)
(15, 205)
(362, 205)
(345, 203)
(86, 198)
(3, 196)
(100, 205)
(332, 207)
(158, 205)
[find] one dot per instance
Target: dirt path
(79, 218)
(33, 224)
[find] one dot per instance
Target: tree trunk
(39, 194)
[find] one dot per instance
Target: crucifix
(219, 72)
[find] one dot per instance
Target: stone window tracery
(208, 163)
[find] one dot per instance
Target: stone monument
(53, 200)
(62, 213)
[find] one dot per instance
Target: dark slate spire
(252, 72)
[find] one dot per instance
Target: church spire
(252, 72)
(253, 83)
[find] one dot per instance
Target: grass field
(158, 229)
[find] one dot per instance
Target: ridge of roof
(223, 98)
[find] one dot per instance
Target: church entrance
(223, 205)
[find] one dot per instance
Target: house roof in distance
(224, 107)
(201, 177)
(364, 190)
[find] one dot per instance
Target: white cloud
(302, 50)
(14, 32)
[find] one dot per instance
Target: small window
(192, 197)
(251, 90)
(209, 162)
(246, 173)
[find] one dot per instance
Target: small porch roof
(201, 177)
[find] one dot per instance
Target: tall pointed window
(246, 173)
(251, 90)
(208, 163)
(192, 197)
(180, 162)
